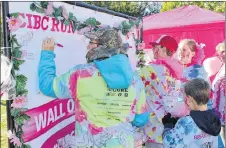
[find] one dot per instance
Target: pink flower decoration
(14, 23)
(141, 46)
(24, 53)
(14, 139)
(49, 9)
(19, 102)
(64, 13)
(94, 129)
(10, 134)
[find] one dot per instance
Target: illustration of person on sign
(109, 97)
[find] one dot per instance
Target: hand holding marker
(59, 45)
(49, 44)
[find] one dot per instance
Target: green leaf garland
(15, 15)
(125, 26)
(21, 81)
(44, 4)
(33, 7)
(19, 115)
(16, 53)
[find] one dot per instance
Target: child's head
(197, 93)
(187, 50)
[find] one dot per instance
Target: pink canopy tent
(202, 25)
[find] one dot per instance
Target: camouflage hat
(110, 44)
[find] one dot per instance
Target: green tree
(213, 6)
(136, 9)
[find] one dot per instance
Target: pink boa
(199, 54)
(173, 65)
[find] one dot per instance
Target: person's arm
(141, 117)
(174, 137)
(47, 73)
(153, 90)
(49, 83)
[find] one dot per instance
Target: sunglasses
(91, 42)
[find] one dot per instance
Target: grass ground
(4, 135)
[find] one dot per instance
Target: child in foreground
(201, 128)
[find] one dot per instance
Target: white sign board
(53, 119)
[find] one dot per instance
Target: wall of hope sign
(52, 119)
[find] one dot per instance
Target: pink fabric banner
(44, 117)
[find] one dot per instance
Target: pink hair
(199, 54)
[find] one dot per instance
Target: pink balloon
(212, 65)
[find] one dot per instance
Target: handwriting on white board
(26, 38)
(28, 55)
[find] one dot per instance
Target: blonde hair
(190, 42)
(220, 47)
